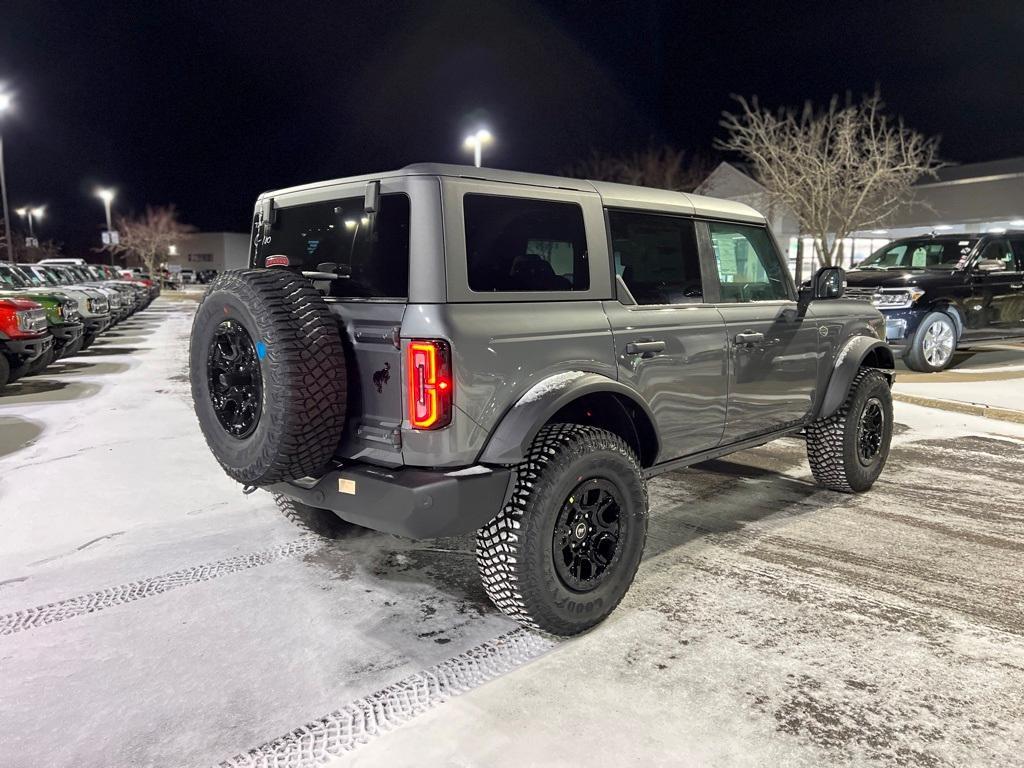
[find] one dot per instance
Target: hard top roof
(613, 195)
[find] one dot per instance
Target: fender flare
(849, 360)
(510, 441)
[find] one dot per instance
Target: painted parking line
(362, 720)
(51, 613)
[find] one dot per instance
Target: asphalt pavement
(150, 614)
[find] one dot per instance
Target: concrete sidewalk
(983, 381)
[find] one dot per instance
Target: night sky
(207, 104)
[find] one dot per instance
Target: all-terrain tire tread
(305, 386)
(825, 440)
(499, 543)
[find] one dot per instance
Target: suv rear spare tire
(268, 376)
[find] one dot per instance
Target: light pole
(30, 214)
(5, 104)
(476, 141)
(107, 196)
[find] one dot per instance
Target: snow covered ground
(150, 614)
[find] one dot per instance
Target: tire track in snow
(369, 717)
(51, 613)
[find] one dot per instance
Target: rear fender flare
(511, 439)
(850, 360)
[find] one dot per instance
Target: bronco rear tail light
(429, 375)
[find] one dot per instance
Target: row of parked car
(58, 307)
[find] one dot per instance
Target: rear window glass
(374, 247)
(519, 244)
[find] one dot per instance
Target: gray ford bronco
(443, 350)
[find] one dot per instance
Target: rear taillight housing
(428, 372)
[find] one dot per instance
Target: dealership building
(980, 197)
(219, 251)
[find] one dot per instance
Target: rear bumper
(418, 503)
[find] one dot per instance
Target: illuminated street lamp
(5, 104)
(32, 214)
(476, 141)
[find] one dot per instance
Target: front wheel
(563, 552)
(933, 345)
(848, 450)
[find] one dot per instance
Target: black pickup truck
(939, 292)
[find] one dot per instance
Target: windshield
(371, 248)
(28, 275)
(46, 276)
(11, 279)
(926, 253)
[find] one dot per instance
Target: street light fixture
(476, 141)
(5, 104)
(107, 196)
(31, 214)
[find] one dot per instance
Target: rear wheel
(563, 552)
(933, 345)
(848, 450)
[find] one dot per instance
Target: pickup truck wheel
(563, 552)
(322, 522)
(268, 377)
(848, 450)
(5, 371)
(933, 345)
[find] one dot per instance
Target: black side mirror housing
(827, 283)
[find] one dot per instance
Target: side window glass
(522, 244)
(748, 266)
(1017, 244)
(657, 257)
(998, 251)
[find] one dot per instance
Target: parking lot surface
(151, 614)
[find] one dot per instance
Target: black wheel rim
(588, 534)
(236, 383)
(870, 431)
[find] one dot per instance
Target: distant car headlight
(900, 298)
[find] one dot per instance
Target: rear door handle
(750, 337)
(644, 347)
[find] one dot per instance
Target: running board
(722, 450)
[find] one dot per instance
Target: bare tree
(838, 169)
(663, 167)
(149, 237)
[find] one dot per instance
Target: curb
(956, 406)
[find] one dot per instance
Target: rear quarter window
(518, 244)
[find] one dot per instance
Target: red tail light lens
(429, 374)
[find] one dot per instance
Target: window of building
(521, 244)
(748, 267)
(657, 257)
(374, 247)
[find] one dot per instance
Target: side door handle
(1017, 286)
(749, 338)
(644, 347)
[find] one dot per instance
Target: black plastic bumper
(96, 324)
(418, 503)
(27, 349)
(65, 336)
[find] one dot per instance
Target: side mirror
(991, 265)
(827, 283)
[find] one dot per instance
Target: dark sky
(207, 104)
